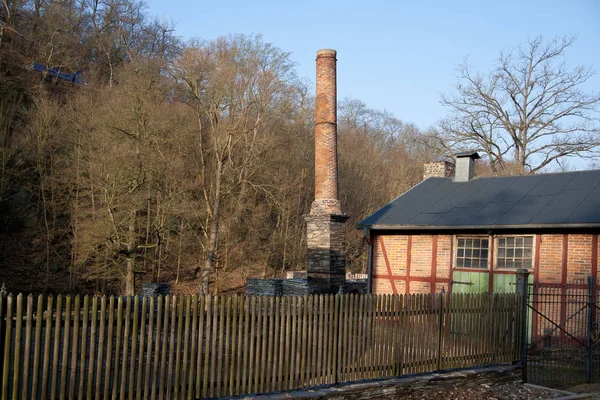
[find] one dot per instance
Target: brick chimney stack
(326, 224)
(326, 170)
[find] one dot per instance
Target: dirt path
(500, 391)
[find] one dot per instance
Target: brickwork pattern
(579, 262)
(421, 259)
(438, 169)
(420, 287)
(421, 256)
(326, 162)
(550, 269)
(396, 251)
(444, 256)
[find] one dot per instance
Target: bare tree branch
(528, 112)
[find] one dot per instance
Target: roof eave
(476, 227)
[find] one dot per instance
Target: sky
(398, 56)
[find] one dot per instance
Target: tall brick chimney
(326, 171)
(326, 224)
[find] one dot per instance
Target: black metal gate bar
(562, 347)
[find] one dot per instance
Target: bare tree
(233, 85)
(529, 112)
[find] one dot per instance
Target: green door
(506, 283)
(478, 282)
(470, 282)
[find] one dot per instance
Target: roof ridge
(542, 174)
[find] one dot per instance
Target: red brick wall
(562, 257)
(326, 169)
(550, 268)
(390, 254)
(579, 262)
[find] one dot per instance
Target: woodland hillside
(165, 161)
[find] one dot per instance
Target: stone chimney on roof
(326, 223)
(438, 169)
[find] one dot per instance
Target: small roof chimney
(438, 169)
(465, 165)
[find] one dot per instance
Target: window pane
(472, 252)
(519, 253)
(515, 252)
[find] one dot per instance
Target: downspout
(367, 236)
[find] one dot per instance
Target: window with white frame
(515, 252)
(472, 251)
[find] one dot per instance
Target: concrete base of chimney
(326, 243)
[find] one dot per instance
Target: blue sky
(395, 55)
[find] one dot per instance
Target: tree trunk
(130, 273)
(214, 234)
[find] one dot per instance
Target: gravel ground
(500, 391)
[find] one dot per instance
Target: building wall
(410, 263)
(422, 263)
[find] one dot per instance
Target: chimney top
(326, 53)
(471, 154)
(465, 165)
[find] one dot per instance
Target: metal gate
(563, 347)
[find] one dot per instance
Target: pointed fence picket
(189, 347)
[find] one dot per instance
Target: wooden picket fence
(211, 346)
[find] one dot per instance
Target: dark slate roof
(561, 200)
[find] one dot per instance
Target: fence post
(591, 307)
(522, 276)
(2, 334)
(440, 328)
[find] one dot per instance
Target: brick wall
(390, 253)
(579, 262)
(550, 266)
(410, 259)
(326, 169)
